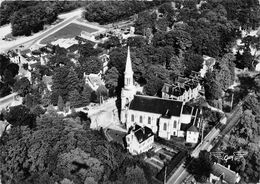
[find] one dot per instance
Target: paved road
(32, 41)
(180, 174)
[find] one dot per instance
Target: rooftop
(142, 133)
(229, 176)
(156, 105)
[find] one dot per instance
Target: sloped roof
(192, 129)
(228, 175)
(142, 133)
(156, 105)
(187, 109)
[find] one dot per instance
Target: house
(183, 89)
(222, 174)
(104, 57)
(192, 134)
(139, 140)
(208, 64)
(94, 81)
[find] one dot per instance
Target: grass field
(70, 31)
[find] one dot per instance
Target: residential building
(183, 89)
(192, 134)
(94, 81)
(208, 64)
(222, 174)
(139, 140)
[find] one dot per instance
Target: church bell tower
(128, 92)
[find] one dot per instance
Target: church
(165, 117)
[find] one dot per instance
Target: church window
(165, 126)
(174, 124)
(149, 120)
(132, 118)
(141, 119)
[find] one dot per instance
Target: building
(129, 90)
(222, 174)
(94, 81)
(163, 116)
(184, 89)
(139, 140)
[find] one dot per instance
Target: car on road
(21, 46)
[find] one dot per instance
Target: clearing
(69, 31)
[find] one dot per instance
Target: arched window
(174, 124)
(149, 120)
(165, 126)
(132, 118)
(141, 119)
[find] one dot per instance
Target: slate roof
(192, 129)
(156, 105)
(228, 175)
(187, 109)
(177, 91)
(142, 133)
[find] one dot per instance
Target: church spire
(128, 67)
(129, 81)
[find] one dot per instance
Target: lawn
(70, 31)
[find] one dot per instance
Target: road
(180, 174)
(35, 38)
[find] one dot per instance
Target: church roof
(128, 67)
(156, 105)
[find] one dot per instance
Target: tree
(22, 86)
(111, 79)
(72, 80)
(86, 95)
(20, 116)
(60, 83)
(112, 42)
(192, 62)
(134, 175)
(156, 76)
(60, 104)
(102, 92)
(38, 110)
(200, 167)
(91, 65)
(212, 87)
(74, 98)
(136, 41)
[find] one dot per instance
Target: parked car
(85, 108)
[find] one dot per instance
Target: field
(70, 31)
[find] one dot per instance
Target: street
(180, 174)
(28, 42)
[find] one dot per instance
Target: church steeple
(128, 67)
(129, 81)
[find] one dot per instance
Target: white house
(94, 81)
(139, 140)
(192, 135)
